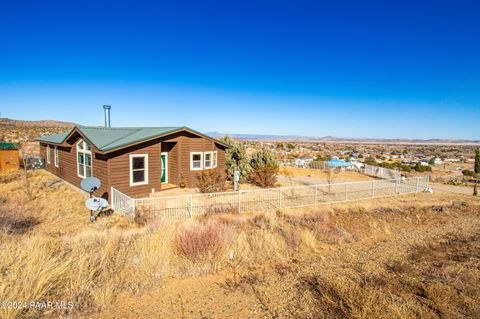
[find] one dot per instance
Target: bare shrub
(201, 240)
(264, 176)
(220, 210)
(141, 217)
(211, 181)
(260, 221)
(441, 272)
(292, 236)
(307, 220)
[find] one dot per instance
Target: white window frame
(191, 161)
(215, 159)
(85, 152)
(55, 156)
(145, 182)
(205, 160)
(166, 167)
(48, 154)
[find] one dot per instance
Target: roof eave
(183, 128)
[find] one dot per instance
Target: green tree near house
(236, 159)
(476, 170)
(264, 168)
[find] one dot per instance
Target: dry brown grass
(411, 256)
(319, 174)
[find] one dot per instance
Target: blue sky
(385, 69)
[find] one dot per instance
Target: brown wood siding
(178, 146)
(119, 162)
(113, 169)
(67, 167)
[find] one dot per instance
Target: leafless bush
(220, 210)
(307, 220)
(291, 236)
(264, 176)
(260, 221)
(141, 217)
(210, 181)
(201, 240)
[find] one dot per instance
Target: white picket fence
(188, 206)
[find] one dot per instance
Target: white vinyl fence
(321, 165)
(380, 172)
(370, 170)
(188, 206)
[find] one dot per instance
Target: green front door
(164, 178)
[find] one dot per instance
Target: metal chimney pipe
(107, 115)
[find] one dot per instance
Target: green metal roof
(55, 138)
(109, 138)
(9, 146)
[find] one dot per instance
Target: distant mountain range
(265, 137)
(41, 123)
(333, 139)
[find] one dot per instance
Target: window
(55, 156)
(84, 159)
(48, 154)
(214, 160)
(138, 169)
(208, 160)
(196, 161)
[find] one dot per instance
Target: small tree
(264, 168)
(477, 170)
(236, 159)
(26, 181)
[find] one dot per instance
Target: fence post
(133, 206)
(112, 198)
(315, 198)
(427, 181)
(190, 205)
(396, 186)
(417, 185)
(373, 188)
(346, 191)
(279, 197)
(239, 201)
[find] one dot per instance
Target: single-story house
(133, 160)
(424, 162)
(303, 161)
(9, 157)
(437, 161)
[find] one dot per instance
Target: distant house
(303, 161)
(134, 160)
(9, 157)
(424, 162)
(438, 161)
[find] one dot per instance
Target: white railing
(122, 203)
(188, 206)
(380, 172)
(321, 165)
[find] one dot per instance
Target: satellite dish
(90, 184)
(96, 204)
